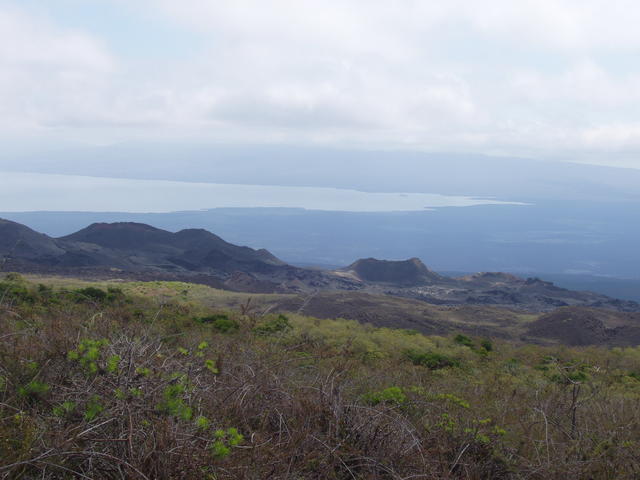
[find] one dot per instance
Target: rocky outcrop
(404, 272)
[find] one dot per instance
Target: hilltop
(407, 272)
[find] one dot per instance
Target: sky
(547, 79)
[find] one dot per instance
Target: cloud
(46, 72)
(539, 78)
(62, 82)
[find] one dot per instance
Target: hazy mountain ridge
(374, 171)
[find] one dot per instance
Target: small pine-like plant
(88, 353)
(173, 403)
(210, 365)
(113, 364)
(64, 409)
(34, 390)
(93, 409)
(224, 440)
(203, 423)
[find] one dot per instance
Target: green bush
(487, 344)
(15, 289)
(220, 322)
(569, 377)
(391, 395)
(280, 324)
(431, 360)
(91, 293)
(463, 340)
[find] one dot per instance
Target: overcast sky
(553, 79)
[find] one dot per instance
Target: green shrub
(91, 293)
(431, 360)
(280, 324)
(15, 289)
(463, 340)
(569, 377)
(14, 277)
(634, 375)
(486, 344)
(391, 395)
(570, 373)
(114, 294)
(451, 398)
(220, 322)
(409, 331)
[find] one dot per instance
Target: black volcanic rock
(405, 272)
(490, 278)
(20, 242)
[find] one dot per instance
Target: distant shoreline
(23, 192)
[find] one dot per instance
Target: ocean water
(23, 192)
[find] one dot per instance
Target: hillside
(135, 247)
(135, 250)
(155, 380)
(585, 326)
(574, 325)
(19, 241)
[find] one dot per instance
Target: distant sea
(23, 192)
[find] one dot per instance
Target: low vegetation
(101, 381)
